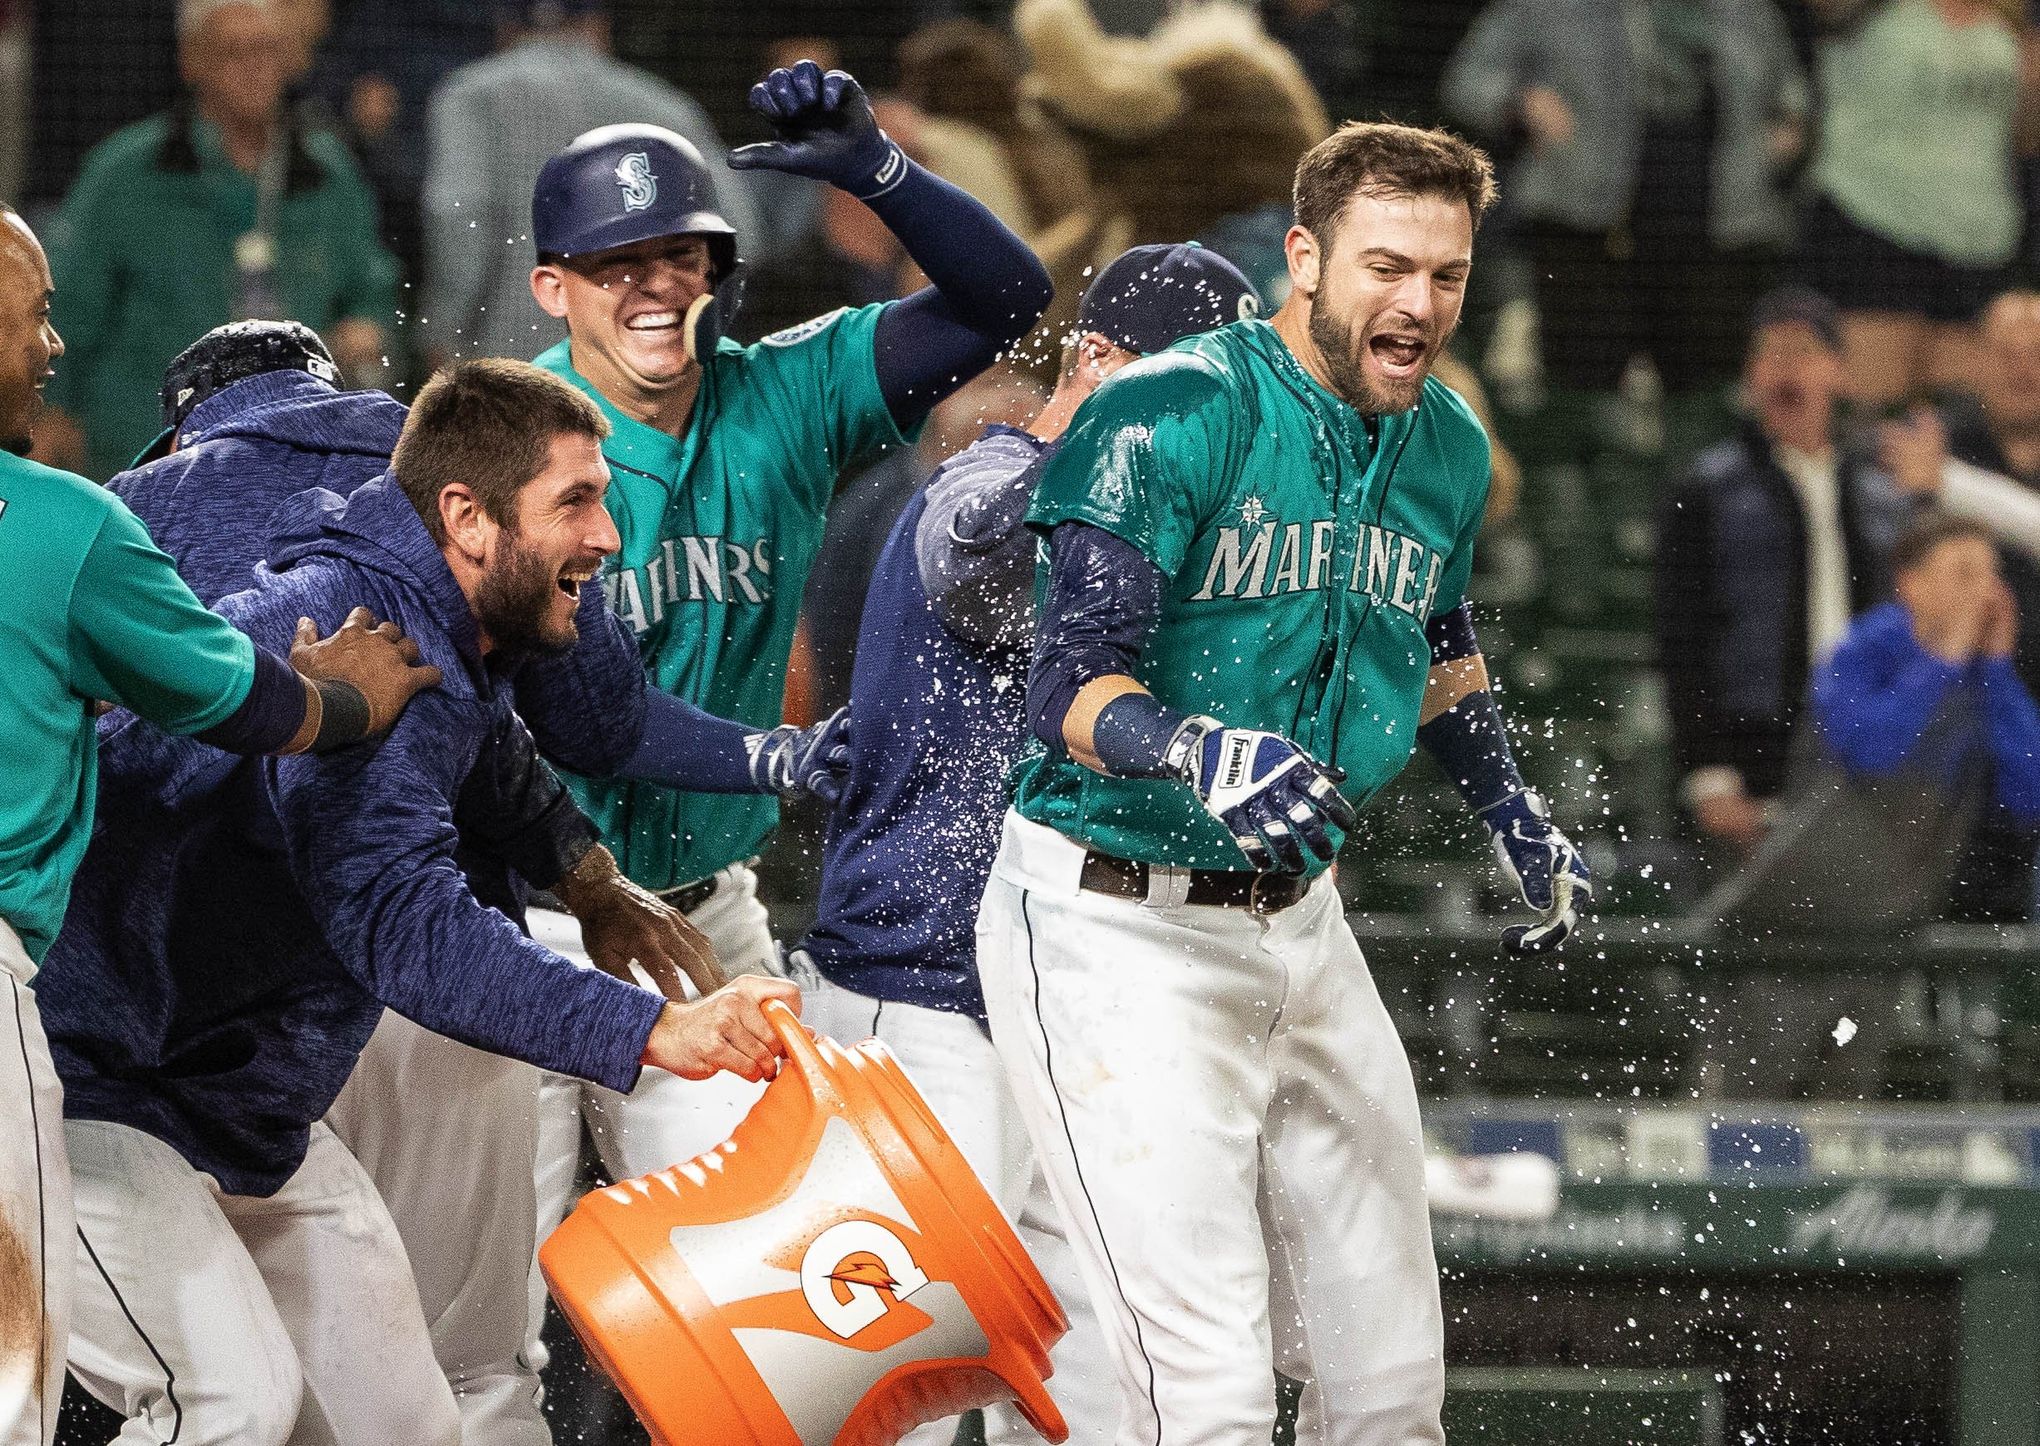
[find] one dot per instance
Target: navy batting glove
(1275, 799)
(826, 131)
(795, 762)
(1547, 870)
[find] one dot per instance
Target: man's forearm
(2007, 507)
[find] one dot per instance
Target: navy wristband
(1471, 744)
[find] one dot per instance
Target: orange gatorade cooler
(833, 1273)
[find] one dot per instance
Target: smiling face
(535, 563)
(237, 62)
(29, 344)
(1385, 295)
(626, 310)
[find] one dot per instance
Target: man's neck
(1292, 324)
(667, 410)
(1815, 443)
(467, 576)
(244, 142)
(1054, 418)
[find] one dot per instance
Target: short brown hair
(490, 424)
(1925, 533)
(1383, 158)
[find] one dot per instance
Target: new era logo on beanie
(1151, 296)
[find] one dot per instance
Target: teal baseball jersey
(720, 526)
(94, 610)
(1304, 547)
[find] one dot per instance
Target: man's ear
(1300, 248)
(468, 529)
(549, 290)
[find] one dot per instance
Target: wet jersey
(1304, 546)
(719, 528)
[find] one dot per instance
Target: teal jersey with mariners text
(94, 611)
(1304, 547)
(720, 526)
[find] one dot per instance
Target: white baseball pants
(664, 1120)
(1228, 1122)
(230, 1320)
(955, 1068)
(448, 1133)
(36, 1234)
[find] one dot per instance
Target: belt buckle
(1255, 904)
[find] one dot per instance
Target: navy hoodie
(238, 924)
(246, 449)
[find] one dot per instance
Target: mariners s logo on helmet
(634, 175)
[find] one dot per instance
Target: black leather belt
(1222, 888)
(689, 897)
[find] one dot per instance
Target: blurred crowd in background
(1756, 329)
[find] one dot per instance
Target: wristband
(1133, 735)
(345, 717)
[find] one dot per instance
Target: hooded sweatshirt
(245, 450)
(238, 925)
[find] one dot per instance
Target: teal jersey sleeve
(1146, 458)
(141, 639)
(1472, 457)
(811, 394)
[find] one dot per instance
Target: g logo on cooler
(634, 175)
(848, 1270)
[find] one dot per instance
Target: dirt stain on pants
(24, 1337)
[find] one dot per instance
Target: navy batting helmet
(621, 184)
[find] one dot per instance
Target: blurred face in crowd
(29, 343)
(2010, 376)
(626, 309)
(1385, 295)
(534, 565)
(1958, 576)
(237, 61)
(1792, 380)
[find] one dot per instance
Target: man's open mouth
(1397, 354)
(653, 321)
(572, 580)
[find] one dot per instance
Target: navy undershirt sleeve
(1104, 598)
(684, 747)
(269, 716)
(987, 289)
(1469, 740)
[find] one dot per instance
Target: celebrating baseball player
(251, 418)
(939, 692)
(234, 936)
(725, 458)
(1254, 607)
(97, 614)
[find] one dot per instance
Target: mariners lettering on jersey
(1270, 559)
(689, 569)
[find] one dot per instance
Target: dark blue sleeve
(371, 838)
(1875, 697)
(686, 748)
(586, 707)
(2013, 722)
(269, 716)
(1469, 740)
(516, 808)
(1103, 600)
(987, 289)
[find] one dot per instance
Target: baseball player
(251, 418)
(1253, 609)
(939, 691)
(725, 458)
(97, 614)
(233, 939)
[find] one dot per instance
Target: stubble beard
(514, 600)
(1346, 366)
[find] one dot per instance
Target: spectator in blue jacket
(1925, 684)
(236, 931)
